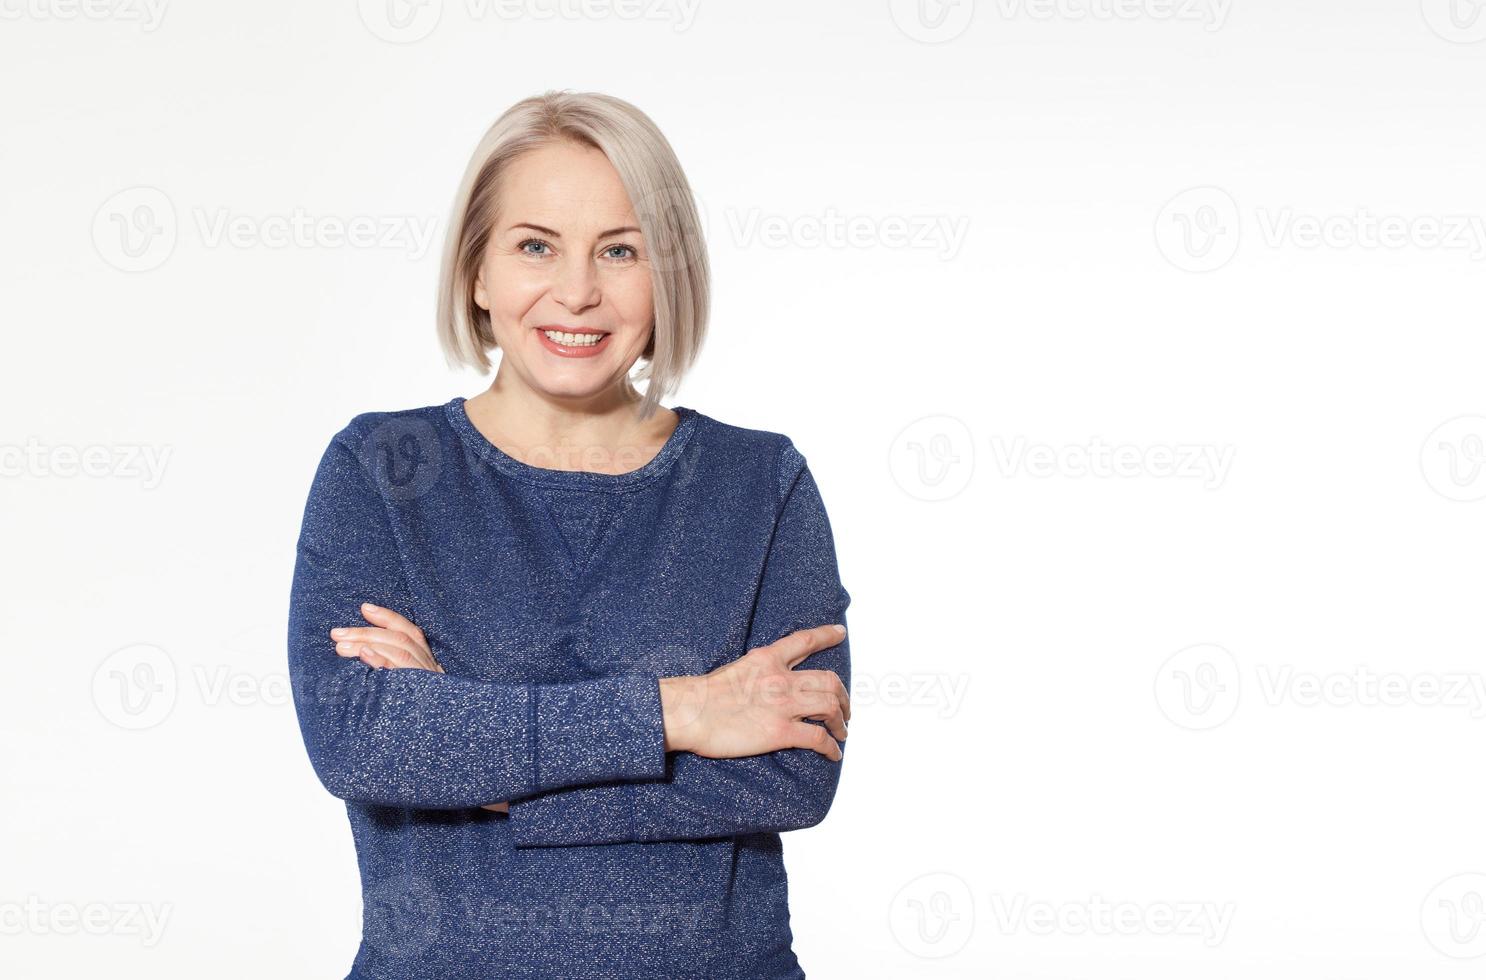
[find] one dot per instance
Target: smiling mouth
(574, 337)
(573, 342)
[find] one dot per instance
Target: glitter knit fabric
(555, 600)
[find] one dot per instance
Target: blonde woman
(573, 660)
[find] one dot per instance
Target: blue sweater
(555, 600)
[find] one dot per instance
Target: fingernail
(368, 605)
(343, 645)
(841, 629)
(338, 631)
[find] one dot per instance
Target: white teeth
(574, 339)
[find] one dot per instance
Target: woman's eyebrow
(558, 234)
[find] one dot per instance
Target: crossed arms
(580, 763)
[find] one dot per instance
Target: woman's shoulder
(372, 417)
(409, 432)
(765, 450)
(366, 421)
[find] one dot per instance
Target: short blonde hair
(658, 193)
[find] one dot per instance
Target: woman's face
(566, 253)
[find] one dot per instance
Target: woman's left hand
(393, 643)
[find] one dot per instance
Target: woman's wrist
(679, 708)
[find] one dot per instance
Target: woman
(606, 663)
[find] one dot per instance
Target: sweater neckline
(571, 479)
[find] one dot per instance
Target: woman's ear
(482, 299)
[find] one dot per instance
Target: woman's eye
(624, 252)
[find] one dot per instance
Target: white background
(1230, 684)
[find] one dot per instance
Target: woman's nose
(577, 285)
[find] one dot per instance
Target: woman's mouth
(572, 341)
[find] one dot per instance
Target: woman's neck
(603, 434)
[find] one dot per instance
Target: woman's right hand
(758, 703)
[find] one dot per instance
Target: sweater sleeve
(698, 797)
(419, 738)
